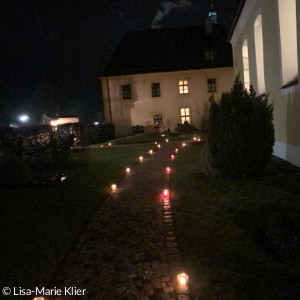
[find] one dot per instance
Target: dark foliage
(101, 133)
(240, 132)
(186, 128)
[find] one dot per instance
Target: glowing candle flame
(198, 139)
(101, 146)
(141, 158)
(182, 282)
(195, 139)
(151, 152)
(167, 141)
(166, 192)
(155, 143)
(176, 150)
(62, 178)
(172, 156)
(183, 144)
(109, 144)
(114, 187)
(158, 146)
(127, 170)
(168, 170)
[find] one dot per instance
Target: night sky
(52, 52)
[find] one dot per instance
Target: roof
(170, 49)
(236, 14)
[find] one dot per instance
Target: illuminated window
(185, 115)
(211, 85)
(158, 122)
(155, 87)
(259, 55)
(288, 40)
(126, 91)
(183, 87)
(209, 55)
(246, 65)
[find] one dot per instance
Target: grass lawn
(39, 224)
(239, 238)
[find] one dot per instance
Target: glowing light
(158, 146)
(63, 177)
(39, 298)
(176, 150)
(195, 139)
(96, 123)
(127, 170)
(151, 152)
(141, 158)
(53, 123)
(24, 118)
(172, 156)
(166, 192)
(155, 143)
(167, 141)
(113, 187)
(109, 144)
(182, 282)
(163, 135)
(168, 170)
(198, 139)
(183, 144)
(101, 146)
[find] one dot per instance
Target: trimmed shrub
(101, 133)
(240, 132)
(186, 128)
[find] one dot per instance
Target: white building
(163, 77)
(265, 45)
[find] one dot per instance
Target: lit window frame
(211, 85)
(184, 115)
(183, 86)
(126, 91)
(155, 89)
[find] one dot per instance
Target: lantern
(128, 170)
(172, 156)
(176, 150)
(113, 187)
(168, 170)
(182, 282)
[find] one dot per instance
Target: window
(185, 115)
(155, 87)
(157, 119)
(183, 87)
(246, 65)
(211, 85)
(288, 40)
(259, 55)
(209, 55)
(126, 91)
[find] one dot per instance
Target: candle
(39, 298)
(182, 282)
(176, 150)
(101, 146)
(194, 138)
(155, 143)
(183, 144)
(141, 158)
(167, 141)
(127, 170)
(113, 187)
(168, 170)
(198, 139)
(166, 192)
(151, 152)
(158, 146)
(109, 144)
(172, 156)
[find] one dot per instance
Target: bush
(186, 128)
(101, 133)
(240, 132)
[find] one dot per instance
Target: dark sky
(52, 52)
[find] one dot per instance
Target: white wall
(141, 108)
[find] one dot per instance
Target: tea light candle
(198, 139)
(127, 170)
(113, 187)
(167, 141)
(155, 143)
(109, 144)
(151, 152)
(176, 150)
(39, 298)
(141, 158)
(182, 282)
(166, 192)
(195, 139)
(168, 170)
(172, 156)
(183, 144)
(101, 146)
(158, 146)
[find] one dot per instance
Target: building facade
(160, 78)
(265, 41)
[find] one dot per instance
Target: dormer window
(209, 55)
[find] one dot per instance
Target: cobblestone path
(128, 249)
